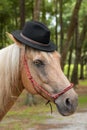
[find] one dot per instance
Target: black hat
(35, 35)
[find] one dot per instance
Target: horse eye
(38, 63)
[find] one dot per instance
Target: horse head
(45, 71)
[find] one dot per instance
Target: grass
(25, 117)
(83, 82)
(83, 97)
(83, 100)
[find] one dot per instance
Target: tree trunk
(82, 37)
(1, 36)
(61, 26)
(43, 12)
(81, 70)
(70, 31)
(15, 17)
(70, 58)
(86, 69)
(56, 12)
(74, 78)
(22, 13)
(36, 13)
(78, 51)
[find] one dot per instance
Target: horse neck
(10, 78)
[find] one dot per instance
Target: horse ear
(14, 40)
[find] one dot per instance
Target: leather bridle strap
(39, 89)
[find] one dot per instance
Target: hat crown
(36, 31)
(35, 35)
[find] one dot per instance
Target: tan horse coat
(13, 77)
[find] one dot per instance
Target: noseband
(39, 89)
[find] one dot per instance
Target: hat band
(32, 41)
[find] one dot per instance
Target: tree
(61, 26)
(36, 11)
(70, 31)
(78, 49)
(22, 13)
(56, 26)
(4, 19)
(74, 78)
(43, 11)
(70, 57)
(58, 15)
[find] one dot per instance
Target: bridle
(39, 89)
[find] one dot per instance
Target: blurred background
(67, 21)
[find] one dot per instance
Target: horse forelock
(9, 73)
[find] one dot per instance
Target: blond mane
(9, 73)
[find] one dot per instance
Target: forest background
(67, 20)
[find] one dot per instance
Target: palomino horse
(37, 71)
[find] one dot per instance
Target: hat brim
(49, 48)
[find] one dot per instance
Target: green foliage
(10, 19)
(71, 69)
(85, 46)
(10, 13)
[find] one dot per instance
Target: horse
(39, 72)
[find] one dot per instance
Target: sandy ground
(77, 121)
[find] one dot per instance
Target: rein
(39, 89)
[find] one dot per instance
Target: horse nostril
(68, 103)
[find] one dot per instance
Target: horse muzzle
(66, 106)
